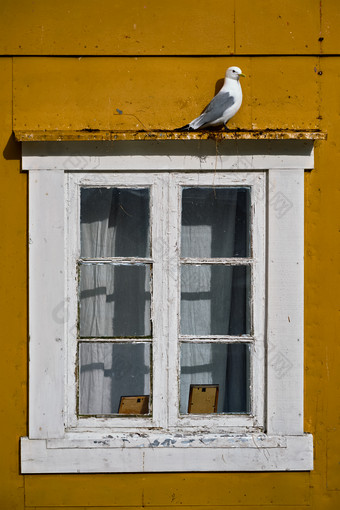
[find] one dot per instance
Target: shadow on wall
(219, 85)
(12, 149)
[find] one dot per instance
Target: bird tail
(187, 127)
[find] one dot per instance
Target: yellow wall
(69, 65)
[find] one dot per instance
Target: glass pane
(223, 365)
(114, 222)
(215, 300)
(215, 222)
(114, 300)
(109, 373)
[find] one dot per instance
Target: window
(166, 275)
(165, 309)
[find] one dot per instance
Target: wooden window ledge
(107, 135)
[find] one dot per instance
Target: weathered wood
(37, 457)
(168, 155)
(99, 135)
(285, 302)
(283, 204)
(47, 304)
(256, 339)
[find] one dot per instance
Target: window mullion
(217, 261)
(160, 300)
(173, 298)
(218, 339)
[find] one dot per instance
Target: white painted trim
(296, 454)
(156, 184)
(256, 181)
(165, 187)
(166, 163)
(285, 302)
(50, 447)
(46, 304)
(199, 155)
(165, 440)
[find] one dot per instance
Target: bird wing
(215, 109)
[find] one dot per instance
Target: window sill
(167, 453)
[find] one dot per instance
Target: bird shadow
(219, 85)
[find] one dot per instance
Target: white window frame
(165, 190)
(278, 443)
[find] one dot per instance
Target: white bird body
(223, 106)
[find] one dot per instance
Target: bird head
(234, 73)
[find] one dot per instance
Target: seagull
(223, 106)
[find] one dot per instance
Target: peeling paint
(96, 134)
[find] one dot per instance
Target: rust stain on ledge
(97, 135)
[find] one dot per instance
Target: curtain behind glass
(114, 298)
(215, 298)
(227, 365)
(114, 222)
(109, 371)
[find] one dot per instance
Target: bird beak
(241, 74)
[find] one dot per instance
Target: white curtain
(214, 297)
(110, 371)
(115, 298)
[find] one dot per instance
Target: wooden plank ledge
(107, 135)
